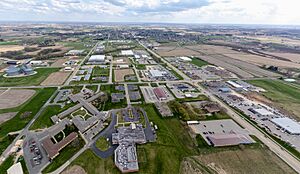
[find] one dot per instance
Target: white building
(289, 125)
(15, 169)
(157, 73)
(96, 59)
(127, 53)
(186, 59)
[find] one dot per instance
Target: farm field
(291, 56)
(258, 160)
(56, 78)
(5, 48)
(14, 97)
(42, 74)
(282, 95)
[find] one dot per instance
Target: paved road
(80, 64)
(110, 79)
(127, 95)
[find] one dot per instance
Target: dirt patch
(7, 116)
(167, 51)
(14, 97)
(120, 74)
(257, 97)
(5, 48)
(74, 170)
(290, 56)
(56, 78)
(59, 62)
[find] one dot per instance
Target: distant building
(19, 70)
(75, 52)
(127, 53)
(96, 59)
(160, 94)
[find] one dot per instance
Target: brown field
(5, 48)
(125, 60)
(56, 78)
(74, 170)
(169, 51)
(290, 56)
(14, 97)
(59, 62)
(121, 73)
(7, 116)
(63, 50)
(246, 161)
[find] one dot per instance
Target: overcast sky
(174, 11)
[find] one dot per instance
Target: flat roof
(127, 52)
(15, 169)
(288, 124)
(97, 58)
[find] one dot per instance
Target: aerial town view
(169, 86)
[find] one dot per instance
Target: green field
(25, 114)
(65, 154)
(34, 80)
(199, 62)
(76, 45)
(102, 144)
(6, 164)
(9, 43)
(281, 94)
(97, 71)
(109, 105)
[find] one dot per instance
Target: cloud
(187, 11)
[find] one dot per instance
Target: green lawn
(199, 62)
(97, 71)
(76, 45)
(64, 155)
(102, 144)
(25, 114)
(44, 121)
(92, 87)
(6, 164)
(9, 43)
(282, 95)
(34, 80)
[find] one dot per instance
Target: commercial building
(19, 70)
(96, 59)
(75, 52)
(15, 169)
(160, 94)
(289, 125)
(157, 73)
(127, 53)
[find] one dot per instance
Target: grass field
(199, 62)
(9, 43)
(282, 95)
(25, 114)
(109, 105)
(6, 164)
(64, 155)
(102, 144)
(42, 74)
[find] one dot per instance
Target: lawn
(109, 105)
(92, 87)
(25, 114)
(102, 144)
(44, 121)
(97, 71)
(75, 45)
(65, 154)
(34, 80)
(9, 43)
(282, 95)
(9, 161)
(199, 62)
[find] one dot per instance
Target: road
(80, 64)
(127, 94)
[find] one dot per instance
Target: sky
(280, 12)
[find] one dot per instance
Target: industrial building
(96, 59)
(289, 125)
(22, 70)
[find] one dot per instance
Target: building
(15, 169)
(221, 140)
(157, 73)
(289, 125)
(96, 59)
(185, 59)
(127, 53)
(75, 52)
(52, 149)
(160, 94)
(19, 70)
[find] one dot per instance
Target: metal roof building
(289, 125)
(97, 59)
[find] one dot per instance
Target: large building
(96, 59)
(289, 125)
(160, 94)
(19, 70)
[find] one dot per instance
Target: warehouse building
(289, 125)
(19, 71)
(96, 59)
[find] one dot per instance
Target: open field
(121, 73)
(282, 95)
(102, 144)
(56, 78)
(215, 55)
(5, 48)
(59, 63)
(42, 74)
(44, 121)
(290, 56)
(14, 97)
(6, 116)
(25, 114)
(259, 160)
